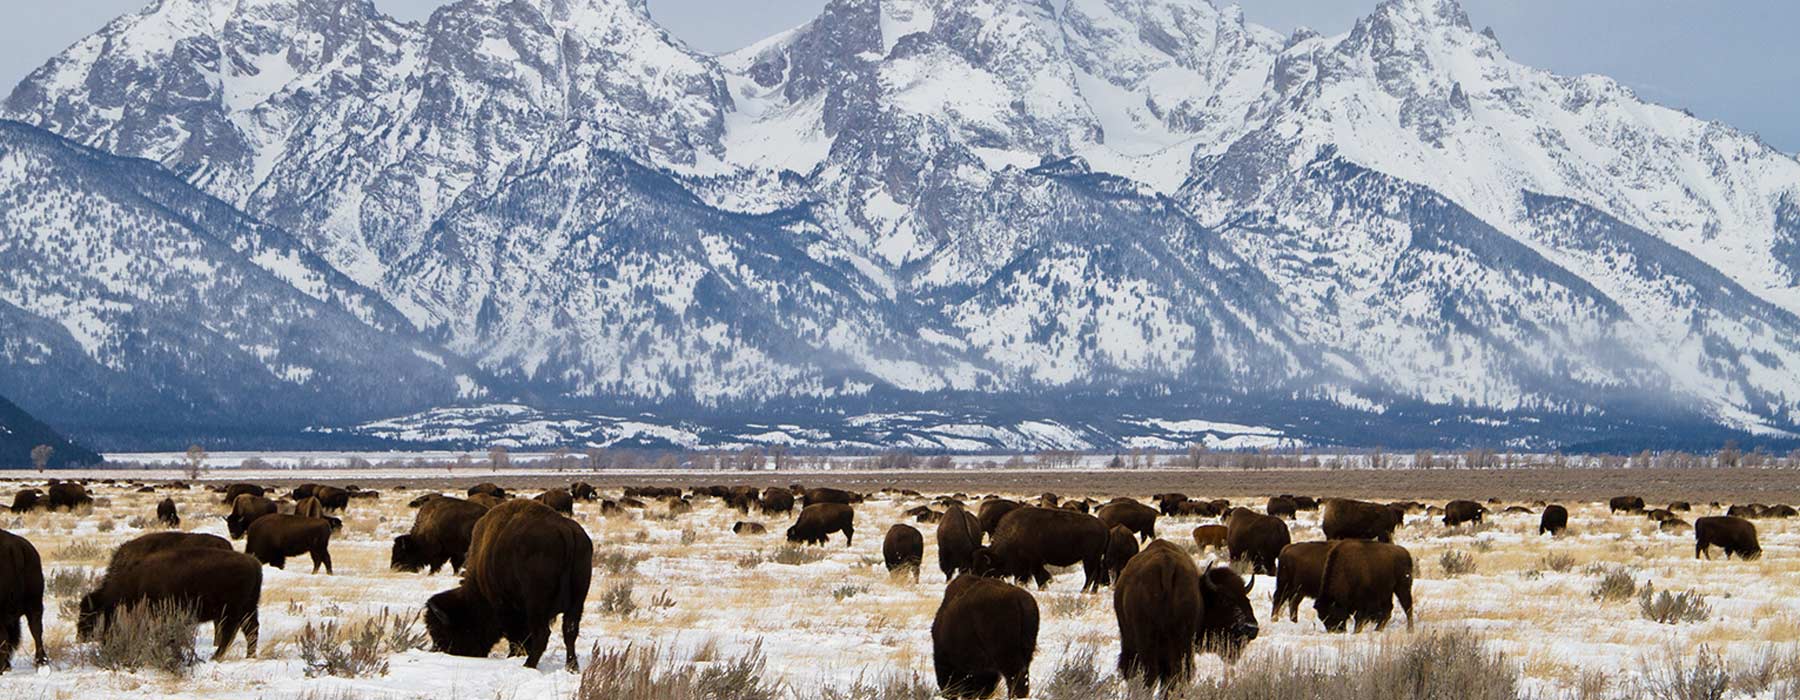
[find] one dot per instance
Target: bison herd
(525, 563)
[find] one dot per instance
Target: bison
(904, 546)
(165, 513)
(246, 509)
(559, 500)
(985, 632)
(275, 537)
(1256, 538)
(441, 533)
(309, 507)
(138, 548)
(1629, 504)
(67, 495)
(234, 490)
(748, 528)
(821, 519)
(26, 499)
(1361, 580)
(1554, 520)
(1120, 548)
(1345, 519)
(1459, 512)
(992, 510)
(1169, 503)
(1282, 507)
(1297, 575)
(958, 536)
(1158, 605)
(21, 595)
(1228, 623)
(527, 564)
(583, 491)
(219, 585)
(815, 496)
(1735, 535)
(1210, 536)
(488, 488)
(1031, 538)
(1136, 517)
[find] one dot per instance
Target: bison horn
(1251, 584)
(437, 612)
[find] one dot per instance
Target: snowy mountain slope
(20, 434)
(131, 299)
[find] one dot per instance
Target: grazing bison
(1169, 503)
(234, 490)
(1228, 623)
(1120, 548)
(821, 519)
(441, 532)
(138, 548)
(165, 513)
(1459, 512)
(527, 564)
(958, 536)
(558, 500)
(1136, 517)
(1282, 507)
(332, 497)
(985, 632)
(1297, 575)
(1158, 605)
(275, 537)
(67, 495)
(1736, 536)
(748, 528)
(21, 595)
(583, 491)
(903, 546)
(1629, 504)
(1256, 538)
(219, 585)
(992, 510)
(816, 496)
(1211, 537)
(1554, 520)
(309, 507)
(1345, 519)
(246, 509)
(1029, 539)
(422, 499)
(1360, 581)
(1680, 506)
(1200, 509)
(26, 499)
(1658, 515)
(1305, 502)
(776, 500)
(1780, 510)
(1674, 525)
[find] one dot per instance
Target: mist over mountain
(970, 225)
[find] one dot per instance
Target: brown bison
(1229, 623)
(1120, 548)
(1030, 538)
(1211, 536)
(165, 513)
(1459, 512)
(821, 519)
(1282, 507)
(1736, 536)
(1075, 507)
(1297, 575)
(332, 497)
(747, 528)
(441, 533)
(904, 546)
(776, 500)
(309, 507)
(247, 509)
(1360, 581)
(491, 489)
(1674, 525)
(1136, 517)
(275, 537)
(559, 500)
(21, 595)
(219, 585)
(1256, 538)
(992, 510)
(1629, 504)
(1554, 520)
(26, 499)
(1169, 503)
(1157, 602)
(815, 496)
(67, 495)
(527, 564)
(985, 632)
(138, 548)
(234, 490)
(958, 536)
(1198, 509)
(1680, 506)
(583, 491)
(1345, 519)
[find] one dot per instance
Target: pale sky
(1737, 61)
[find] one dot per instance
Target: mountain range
(304, 221)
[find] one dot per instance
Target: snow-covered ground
(842, 617)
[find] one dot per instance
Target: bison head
(461, 623)
(1228, 623)
(88, 617)
(408, 555)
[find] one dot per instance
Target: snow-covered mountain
(1090, 208)
(21, 434)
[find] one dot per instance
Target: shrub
(70, 583)
(1686, 606)
(1614, 586)
(1559, 562)
(1436, 665)
(848, 591)
(1078, 677)
(794, 555)
(893, 686)
(157, 636)
(618, 562)
(1456, 563)
(1771, 667)
(642, 673)
(359, 649)
(617, 600)
(1673, 678)
(83, 550)
(1066, 605)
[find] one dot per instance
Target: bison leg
(1042, 576)
(9, 638)
(1404, 595)
(849, 532)
(571, 628)
(1018, 685)
(322, 555)
(456, 563)
(34, 618)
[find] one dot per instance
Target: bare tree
(498, 458)
(596, 458)
(196, 461)
(40, 456)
